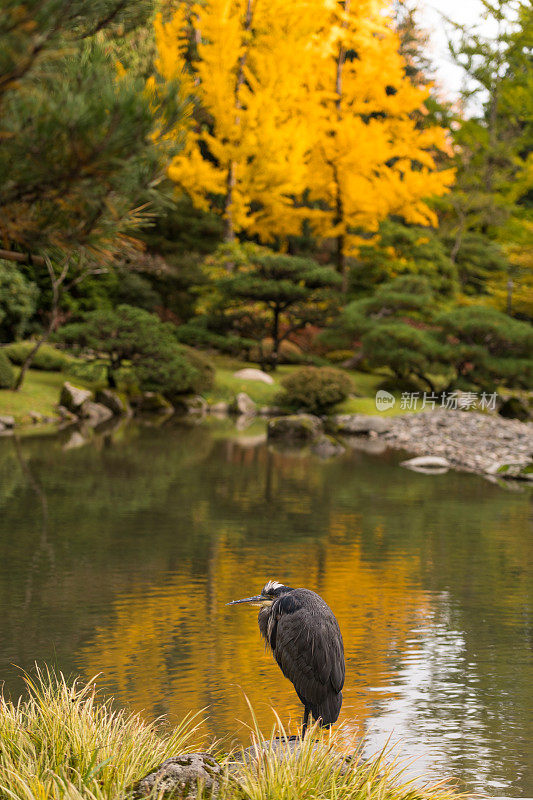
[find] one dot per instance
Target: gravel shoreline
(470, 441)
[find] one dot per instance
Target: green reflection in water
(118, 557)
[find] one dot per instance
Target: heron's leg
(306, 719)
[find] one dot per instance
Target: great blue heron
(307, 643)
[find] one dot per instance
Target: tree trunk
(229, 230)
(30, 357)
(427, 381)
(339, 205)
(510, 287)
(275, 338)
(56, 282)
(110, 374)
(229, 227)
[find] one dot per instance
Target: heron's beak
(258, 600)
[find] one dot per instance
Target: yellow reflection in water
(176, 647)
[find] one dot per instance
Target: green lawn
(227, 386)
(40, 392)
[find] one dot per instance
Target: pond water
(118, 558)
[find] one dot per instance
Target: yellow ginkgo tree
(303, 111)
(370, 159)
(247, 145)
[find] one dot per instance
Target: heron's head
(270, 592)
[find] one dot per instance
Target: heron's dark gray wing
(309, 650)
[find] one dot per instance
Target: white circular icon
(384, 400)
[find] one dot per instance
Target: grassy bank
(227, 386)
(40, 393)
(62, 742)
(41, 388)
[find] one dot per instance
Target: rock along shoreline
(467, 440)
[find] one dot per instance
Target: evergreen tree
(78, 154)
(400, 250)
(82, 140)
(128, 335)
(487, 348)
(266, 295)
(490, 207)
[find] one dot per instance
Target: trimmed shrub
(487, 347)
(195, 333)
(47, 357)
(7, 373)
(203, 366)
(317, 389)
(409, 352)
(133, 338)
(338, 356)
(288, 353)
(175, 370)
(168, 372)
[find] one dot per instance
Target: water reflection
(150, 532)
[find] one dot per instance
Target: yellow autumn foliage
(304, 112)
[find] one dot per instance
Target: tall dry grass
(63, 742)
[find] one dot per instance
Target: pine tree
(78, 152)
(490, 207)
(266, 294)
(82, 139)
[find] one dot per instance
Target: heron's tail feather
(328, 710)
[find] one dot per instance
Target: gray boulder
(360, 424)
(152, 403)
(95, 413)
(250, 374)
(187, 777)
(72, 397)
(428, 465)
(65, 414)
(243, 404)
(219, 409)
(75, 440)
(112, 401)
(271, 411)
(327, 447)
(7, 421)
(192, 405)
(437, 462)
(295, 428)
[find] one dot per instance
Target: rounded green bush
(316, 389)
(175, 370)
(203, 366)
(7, 373)
(47, 357)
(338, 356)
